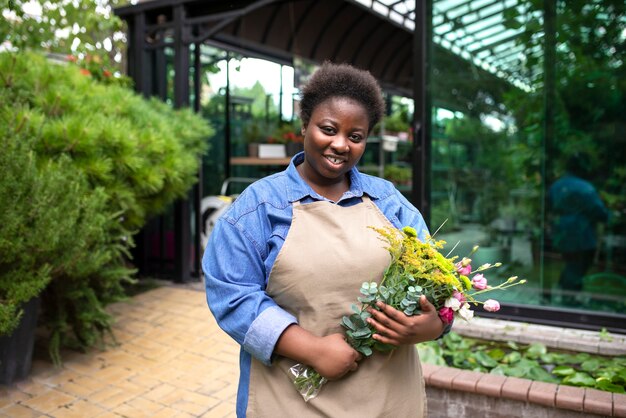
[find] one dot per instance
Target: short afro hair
(342, 80)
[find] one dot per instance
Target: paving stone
(78, 409)
(19, 411)
(223, 410)
(48, 401)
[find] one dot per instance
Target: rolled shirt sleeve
(235, 282)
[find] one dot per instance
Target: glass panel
(390, 144)
(528, 145)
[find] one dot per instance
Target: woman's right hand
(331, 356)
(334, 357)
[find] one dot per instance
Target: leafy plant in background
(588, 95)
(286, 133)
(137, 155)
(398, 174)
(87, 30)
(533, 361)
(487, 182)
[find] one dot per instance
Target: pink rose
(491, 305)
(459, 296)
(446, 315)
(463, 269)
(479, 282)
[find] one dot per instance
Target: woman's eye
(328, 129)
(356, 138)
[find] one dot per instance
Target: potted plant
(289, 136)
(398, 175)
(254, 135)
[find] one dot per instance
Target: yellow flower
(409, 231)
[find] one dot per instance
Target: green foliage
(115, 159)
(87, 29)
(397, 122)
(398, 174)
(53, 226)
(587, 97)
(533, 361)
(144, 153)
(493, 163)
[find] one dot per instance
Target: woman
(285, 263)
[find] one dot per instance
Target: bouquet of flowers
(416, 268)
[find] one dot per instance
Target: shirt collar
(297, 188)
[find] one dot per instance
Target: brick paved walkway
(172, 361)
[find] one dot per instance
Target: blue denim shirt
(244, 244)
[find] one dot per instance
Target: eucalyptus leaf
(362, 333)
(366, 351)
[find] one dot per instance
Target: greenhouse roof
(471, 29)
(372, 34)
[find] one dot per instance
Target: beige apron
(329, 251)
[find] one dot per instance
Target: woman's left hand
(394, 327)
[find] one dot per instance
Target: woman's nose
(340, 144)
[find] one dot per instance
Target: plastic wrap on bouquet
(307, 381)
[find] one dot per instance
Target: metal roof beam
(493, 44)
(479, 18)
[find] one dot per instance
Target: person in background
(576, 211)
(285, 262)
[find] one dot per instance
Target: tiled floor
(172, 361)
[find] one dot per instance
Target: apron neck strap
(364, 198)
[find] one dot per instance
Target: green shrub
(128, 158)
(144, 153)
(52, 224)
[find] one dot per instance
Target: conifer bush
(97, 161)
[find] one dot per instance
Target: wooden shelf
(259, 161)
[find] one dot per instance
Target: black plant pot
(16, 350)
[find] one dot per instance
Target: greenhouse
(489, 104)
(194, 191)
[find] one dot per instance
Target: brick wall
(454, 392)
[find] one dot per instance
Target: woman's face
(334, 140)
